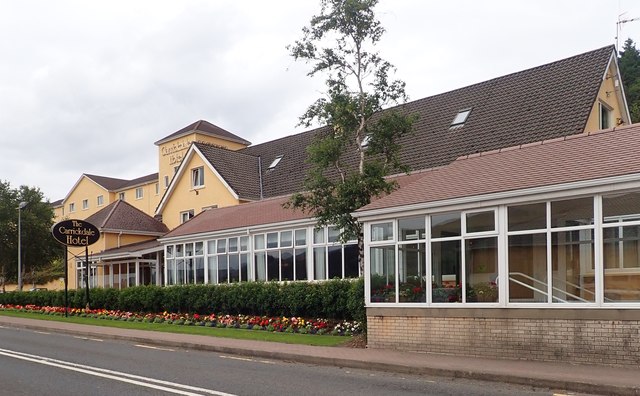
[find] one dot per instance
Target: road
(41, 363)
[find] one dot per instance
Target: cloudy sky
(88, 86)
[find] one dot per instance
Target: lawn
(242, 334)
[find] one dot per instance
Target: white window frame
(72, 207)
(85, 204)
(121, 195)
(461, 118)
(197, 177)
(604, 116)
(275, 162)
(100, 200)
(139, 192)
(186, 216)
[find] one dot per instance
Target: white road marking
(154, 347)
(42, 332)
(237, 358)
(245, 359)
(266, 362)
(114, 375)
(88, 338)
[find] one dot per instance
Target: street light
(21, 206)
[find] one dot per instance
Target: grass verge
(241, 334)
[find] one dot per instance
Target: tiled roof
(153, 177)
(266, 211)
(131, 249)
(56, 203)
(206, 128)
(565, 160)
(250, 214)
(239, 170)
(541, 103)
(110, 183)
(121, 216)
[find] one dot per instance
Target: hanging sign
(75, 233)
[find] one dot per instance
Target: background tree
(360, 147)
(39, 249)
(629, 63)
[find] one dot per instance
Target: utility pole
(21, 206)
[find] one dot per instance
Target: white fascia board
(239, 231)
(586, 187)
(193, 150)
(174, 181)
(622, 97)
(215, 172)
(77, 183)
(128, 254)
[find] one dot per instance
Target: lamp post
(21, 206)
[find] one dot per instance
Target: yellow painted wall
(608, 94)
(85, 189)
(184, 197)
(149, 200)
(58, 213)
(171, 153)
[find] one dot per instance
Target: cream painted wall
(608, 94)
(149, 200)
(85, 189)
(170, 154)
(184, 197)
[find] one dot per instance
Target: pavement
(561, 377)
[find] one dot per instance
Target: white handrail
(552, 287)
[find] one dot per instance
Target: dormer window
(275, 162)
(460, 118)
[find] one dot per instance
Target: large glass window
(467, 275)
(621, 247)
(569, 242)
(572, 261)
(528, 268)
(332, 259)
(278, 259)
(382, 269)
(228, 260)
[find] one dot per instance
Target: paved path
(579, 378)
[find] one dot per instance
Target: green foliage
(335, 299)
(358, 89)
(38, 248)
(629, 63)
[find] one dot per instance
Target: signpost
(75, 233)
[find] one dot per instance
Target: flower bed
(248, 322)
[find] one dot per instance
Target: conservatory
(527, 252)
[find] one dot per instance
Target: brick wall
(586, 341)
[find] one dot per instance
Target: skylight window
(460, 118)
(365, 141)
(275, 162)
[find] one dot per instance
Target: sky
(89, 86)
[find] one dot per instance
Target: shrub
(334, 299)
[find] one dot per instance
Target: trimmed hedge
(334, 299)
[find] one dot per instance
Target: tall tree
(38, 248)
(350, 161)
(629, 63)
